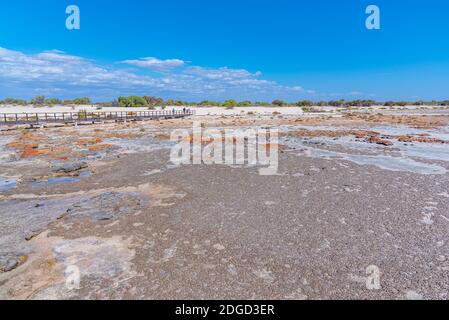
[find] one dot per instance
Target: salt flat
(351, 191)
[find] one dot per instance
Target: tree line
(43, 101)
(153, 102)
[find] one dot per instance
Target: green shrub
(82, 114)
(81, 101)
(278, 103)
(52, 101)
(39, 100)
(230, 103)
(245, 103)
(132, 102)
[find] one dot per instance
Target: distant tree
(154, 101)
(39, 100)
(81, 101)
(304, 103)
(170, 102)
(245, 103)
(307, 109)
(52, 101)
(278, 103)
(361, 103)
(132, 102)
(261, 103)
(322, 104)
(337, 103)
(13, 101)
(208, 103)
(230, 103)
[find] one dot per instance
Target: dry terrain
(354, 189)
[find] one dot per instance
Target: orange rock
(378, 140)
(86, 142)
(100, 147)
(163, 136)
(55, 152)
(269, 146)
(421, 138)
(29, 153)
(122, 135)
(363, 134)
(405, 139)
(22, 145)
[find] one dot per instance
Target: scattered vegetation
(82, 114)
(245, 103)
(230, 103)
(306, 109)
(81, 101)
(52, 101)
(152, 102)
(132, 102)
(304, 103)
(14, 102)
(39, 100)
(278, 103)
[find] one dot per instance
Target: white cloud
(59, 68)
(221, 73)
(55, 71)
(156, 64)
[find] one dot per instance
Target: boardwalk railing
(87, 117)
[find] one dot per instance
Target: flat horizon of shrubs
(152, 102)
(42, 101)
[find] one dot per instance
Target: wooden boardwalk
(82, 117)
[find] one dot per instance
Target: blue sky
(246, 49)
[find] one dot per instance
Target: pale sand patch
(42, 276)
(199, 111)
(159, 194)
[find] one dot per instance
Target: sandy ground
(199, 111)
(353, 192)
(220, 111)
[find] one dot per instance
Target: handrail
(68, 117)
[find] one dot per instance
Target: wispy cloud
(222, 73)
(62, 73)
(155, 63)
